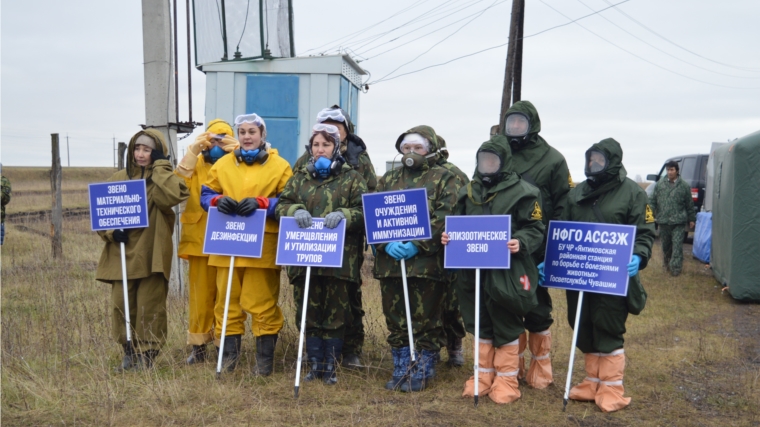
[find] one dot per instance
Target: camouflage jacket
(442, 196)
(363, 164)
(320, 197)
(460, 177)
(672, 204)
(6, 195)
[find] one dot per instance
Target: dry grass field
(693, 355)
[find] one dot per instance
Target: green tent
(736, 217)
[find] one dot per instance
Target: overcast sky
(684, 74)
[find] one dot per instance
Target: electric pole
(68, 155)
(513, 69)
(160, 95)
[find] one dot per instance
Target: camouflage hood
(426, 131)
(133, 169)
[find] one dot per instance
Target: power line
(375, 37)
(644, 59)
(503, 44)
(415, 21)
(663, 51)
(443, 40)
(413, 5)
(420, 37)
(683, 48)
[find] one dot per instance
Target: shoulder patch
(570, 180)
(650, 215)
(536, 214)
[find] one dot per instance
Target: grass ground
(693, 357)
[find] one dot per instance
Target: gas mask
(516, 128)
(215, 154)
(251, 156)
(596, 166)
(489, 167)
(415, 142)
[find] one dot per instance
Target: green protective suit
(543, 166)
(619, 201)
(148, 251)
(354, 150)
(425, 274)
(329, 306)
(452, 318)
(672, 207)
(507, 298)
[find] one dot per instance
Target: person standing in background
(672, 207)
(6, 188)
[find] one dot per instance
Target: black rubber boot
(265, 345)
(315, 354)
(231, 352)
(198, 355)
(456, 355)
(147, 359)
(333, 348)
(129, 361)
(351, 361)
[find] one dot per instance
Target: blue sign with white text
(119, 204)
(316, 246)
(395, 216)
(590, 257)
(235, 235)
(477, 241)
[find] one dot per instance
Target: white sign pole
(303, 330)
(572, 350)
(224, 319)
(477, 331)
(408, 313)
(130, 348)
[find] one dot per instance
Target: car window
(703, 169)
(688, 169)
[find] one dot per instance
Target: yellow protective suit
(255, 285)
(202, 277)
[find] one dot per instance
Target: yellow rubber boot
(540, 372)
(486, 371)
(523, 341)
(505, 387)
(586, 390)
(609, 396)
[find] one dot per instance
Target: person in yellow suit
(250, 179)
(201, 155)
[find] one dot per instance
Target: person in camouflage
(608, 196)
(672, 206)
(507, 296)
(326, 187)
(426, 278)
(452, 319)
(543, 166)
(6, 189)
(354, 151)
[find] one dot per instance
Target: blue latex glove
(395, 250)
(633, 266)
(541, 276)
(410, 250)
